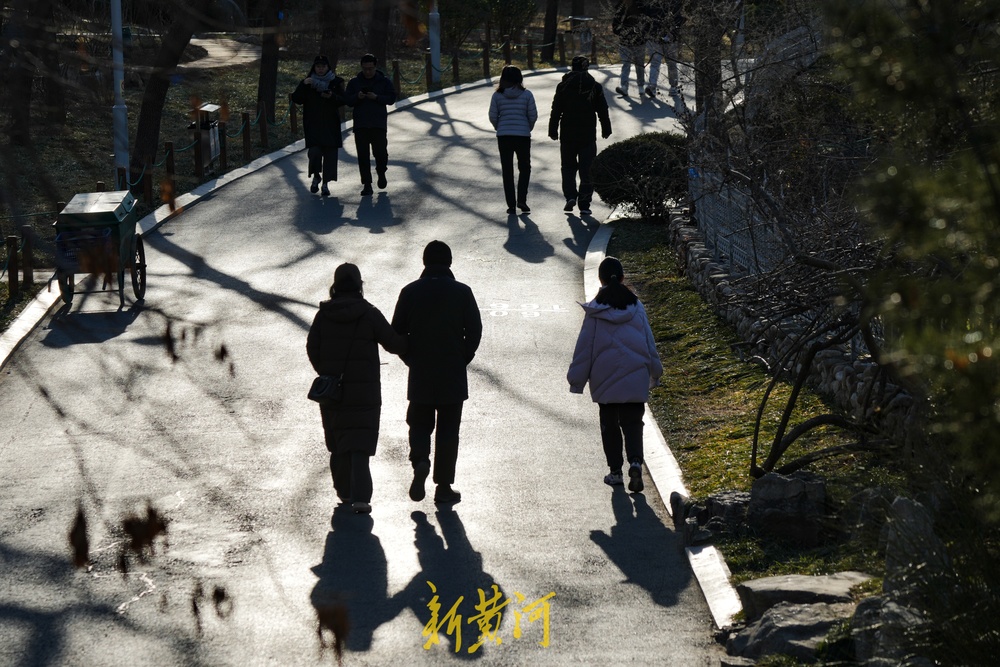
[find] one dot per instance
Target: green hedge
(646, 172)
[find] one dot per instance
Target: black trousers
(421, 419)
(509, 147)
(371, 141)
(352, 476)
(323, 161)
(617, 420)
(576, 157)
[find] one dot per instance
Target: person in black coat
(321, 94)
(370, 93)
(578, 103)
(344, 338)
(441, 320)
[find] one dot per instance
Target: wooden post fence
(428, 70)
(171, 185)
(531, 55)
(223, 148)
(506, 49)
(561, 43)
(455, 77)
(122, 179)
(293, 116)
(246, 136)
(199, 165)
(396, 78)
(26, 255)
(12, 278)
(486, 59)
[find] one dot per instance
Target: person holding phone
(370, 93)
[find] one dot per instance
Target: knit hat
(580, 64)
(437, 252)
(347, 278)
(321, 60)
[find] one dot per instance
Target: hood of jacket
(513, 92)
(344, 308)
(603, 311)
(581, 80)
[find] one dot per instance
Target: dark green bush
(646, 172)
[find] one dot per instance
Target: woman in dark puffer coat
(344, 338)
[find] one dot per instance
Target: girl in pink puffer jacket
(617, 354)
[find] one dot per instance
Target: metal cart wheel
(66, 282)
(139, 268)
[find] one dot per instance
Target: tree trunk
(55, 91)
(267, 82)
(332, 20)
(549, 31)
(147, 133)
(24, 35)
(378, 33)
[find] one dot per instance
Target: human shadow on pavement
(354, 573)
(644, 549)
(527, 242)
(583, 229)
(375, 213)
(455, 569)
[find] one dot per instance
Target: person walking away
(664, 43)
(616, 353)
(513, 115)
(440, 318)
(630, 25)
(578, 103)
(370, 93)
(321, 95)
(344, 339)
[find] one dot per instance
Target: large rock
(913, 551)
(788, 508)
(789, 629)
(879, 630)
(759, 595)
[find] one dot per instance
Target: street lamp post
(119, 114)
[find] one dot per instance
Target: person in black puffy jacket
(578, 103)
(344, 339)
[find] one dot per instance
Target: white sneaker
(614, 479)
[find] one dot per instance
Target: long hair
(510, 77)
(614, 293)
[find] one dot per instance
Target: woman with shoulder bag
(343, 343)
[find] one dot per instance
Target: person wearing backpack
(578, 103)
(616, 353)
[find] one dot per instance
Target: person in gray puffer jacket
(616, 353)
(513, 115)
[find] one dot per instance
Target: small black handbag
(328, 390)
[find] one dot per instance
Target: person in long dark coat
(441, 320)
(344, 338)
(321, 95)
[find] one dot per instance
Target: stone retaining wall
(835, 372)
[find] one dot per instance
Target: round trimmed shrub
(646, 172)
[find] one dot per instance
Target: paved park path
(193, 401)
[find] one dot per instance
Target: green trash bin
(95, 233)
